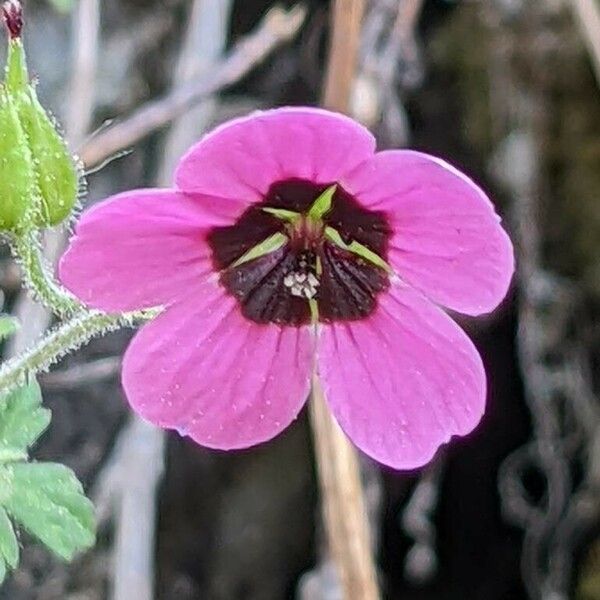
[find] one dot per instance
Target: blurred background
(507, 90)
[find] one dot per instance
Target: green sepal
(357, 248)
(57, 175)
(17, 78)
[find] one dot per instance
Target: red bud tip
(12, 15)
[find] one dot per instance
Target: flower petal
(141, 249)
(205, 370)
(403, 381)
(448, 241)
(242, 158)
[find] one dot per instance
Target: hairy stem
(63, 339)
(37, 276)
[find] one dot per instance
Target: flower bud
(39, 180)
(57, 176)
(17, 175)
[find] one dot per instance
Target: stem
(60, 341)
(343, 51)
(38, 279)
(343, 504)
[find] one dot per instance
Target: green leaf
(48, 501)
(22, 420)
(9, 546)
(8, 326)
(357, 248)
(272, 243)
(322, 205)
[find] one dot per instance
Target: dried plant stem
(344, 508)
(343, 504)
(343, 52)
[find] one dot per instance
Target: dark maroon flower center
(285, 266)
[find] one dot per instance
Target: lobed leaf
(9, 545)
(48, 501)
(22, 419)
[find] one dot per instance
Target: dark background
(245, 525)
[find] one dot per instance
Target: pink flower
(288, 244)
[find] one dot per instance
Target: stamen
(301, 284)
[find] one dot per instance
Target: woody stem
(343, 503)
